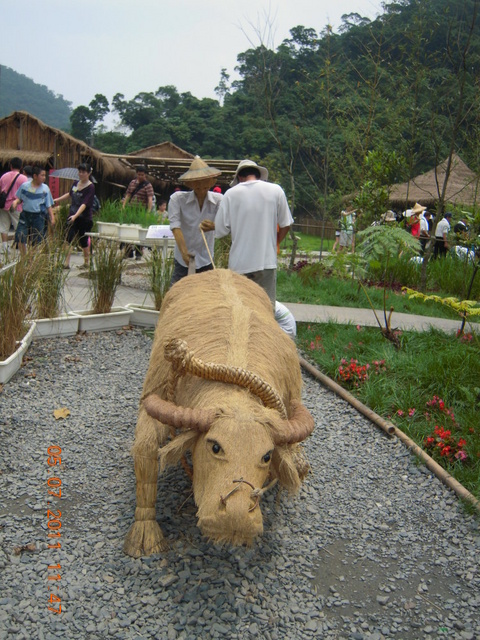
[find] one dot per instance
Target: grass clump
(106, 268)
(159, 270)
(17, 292)
(52, 277)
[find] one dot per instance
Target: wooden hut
(24, 136)
(462, 188)
(30, 139)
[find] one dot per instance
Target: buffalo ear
(172, 453)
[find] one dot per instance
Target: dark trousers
(179, 271)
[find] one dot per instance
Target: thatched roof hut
(163, 150)
(462, 188)
(27, 137)
(24, 136)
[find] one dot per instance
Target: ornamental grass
(17, 293)
(52, 277)
(105, 274)
(159, 270)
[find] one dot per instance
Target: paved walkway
(77, 296)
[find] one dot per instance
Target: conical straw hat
(199, 170)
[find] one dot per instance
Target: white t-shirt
(285, 319)
(424, 225)
(184, 213)
(251, 211)
(442, 227)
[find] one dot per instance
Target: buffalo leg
(145, 536)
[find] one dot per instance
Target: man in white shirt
(441, 236)
(251, 212)
(424, 230)
(186, 210)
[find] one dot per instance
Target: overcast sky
(80, 48)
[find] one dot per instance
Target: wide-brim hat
(199, 170)
(249, 163)
(389, 216)
(417, 208)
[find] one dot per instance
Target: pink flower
(359, 328)
(461, 455)
(400, 413)
(411, 412)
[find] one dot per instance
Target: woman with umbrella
(80, 216)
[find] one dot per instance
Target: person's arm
(282, 233)
(181, 244)
(18, 198)
(445, 239)
(65, 196)
(51, 214)
(15, 203)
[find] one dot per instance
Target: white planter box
(116, 319)
(129, 231)
(143, 316)
(108, 229)
(10, 366)
(53, 327)
(142, 234)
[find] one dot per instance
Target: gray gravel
(373, 546)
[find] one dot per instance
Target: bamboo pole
(392, 430)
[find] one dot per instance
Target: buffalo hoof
(144, 538)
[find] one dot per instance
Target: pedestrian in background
(37, 204)
(9, 184)
(441, 236)
(80, 215)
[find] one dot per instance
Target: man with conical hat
(186, 210)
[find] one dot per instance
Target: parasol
(68, 173)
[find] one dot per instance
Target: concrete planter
(129, 232)
(116, 319)
(143, 316)
(110, 229)
(10, 366)
(66, 325)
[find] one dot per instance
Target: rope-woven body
(184, 361)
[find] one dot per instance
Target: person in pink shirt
(10, 182)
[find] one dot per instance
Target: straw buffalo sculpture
(224, 382)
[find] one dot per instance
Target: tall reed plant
(159, 269)
(52, 276)
(105, 274)
(17, 292)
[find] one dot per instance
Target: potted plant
(105, 274)
(17, 290)
(159, 270)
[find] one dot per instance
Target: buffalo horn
(178, 417)
(297, 428)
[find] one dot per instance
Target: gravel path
(372, 547)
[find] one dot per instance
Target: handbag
(4, 195)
